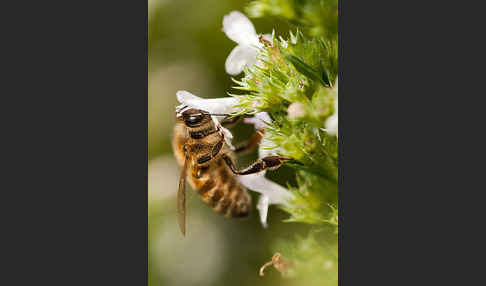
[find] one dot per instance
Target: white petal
(332, 122)
(227, 137)
(260, 120)
(258, 183)
(239, 57)
(223, 105)
(262, 206)
(183, 95)
(284, 43)
(272, 193)
(239, 29)
(267, 148)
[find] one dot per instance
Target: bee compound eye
(193, 119)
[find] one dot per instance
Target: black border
(76, 181)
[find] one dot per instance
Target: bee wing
(181, 199)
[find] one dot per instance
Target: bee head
(194, 117)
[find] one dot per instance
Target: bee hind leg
(266, 163)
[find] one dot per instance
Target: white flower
(222, 105)
(272, 193)
(332, 121)
(240, 29)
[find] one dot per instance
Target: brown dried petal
(279, 262)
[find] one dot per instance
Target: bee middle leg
(266, 163)
(249, 145)
(229, 122)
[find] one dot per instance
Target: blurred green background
(187, 50)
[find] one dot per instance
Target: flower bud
(296, 110)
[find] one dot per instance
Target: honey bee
(208, 164)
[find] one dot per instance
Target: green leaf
(307, 70)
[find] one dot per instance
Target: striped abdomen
(219, 188)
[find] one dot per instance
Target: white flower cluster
(240, 29)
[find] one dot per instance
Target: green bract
(302, 71)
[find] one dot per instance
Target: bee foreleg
(266, 163)
(214, 152)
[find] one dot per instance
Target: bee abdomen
(236, 201)
(241, 205)
(224, 193)
(204, 188)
